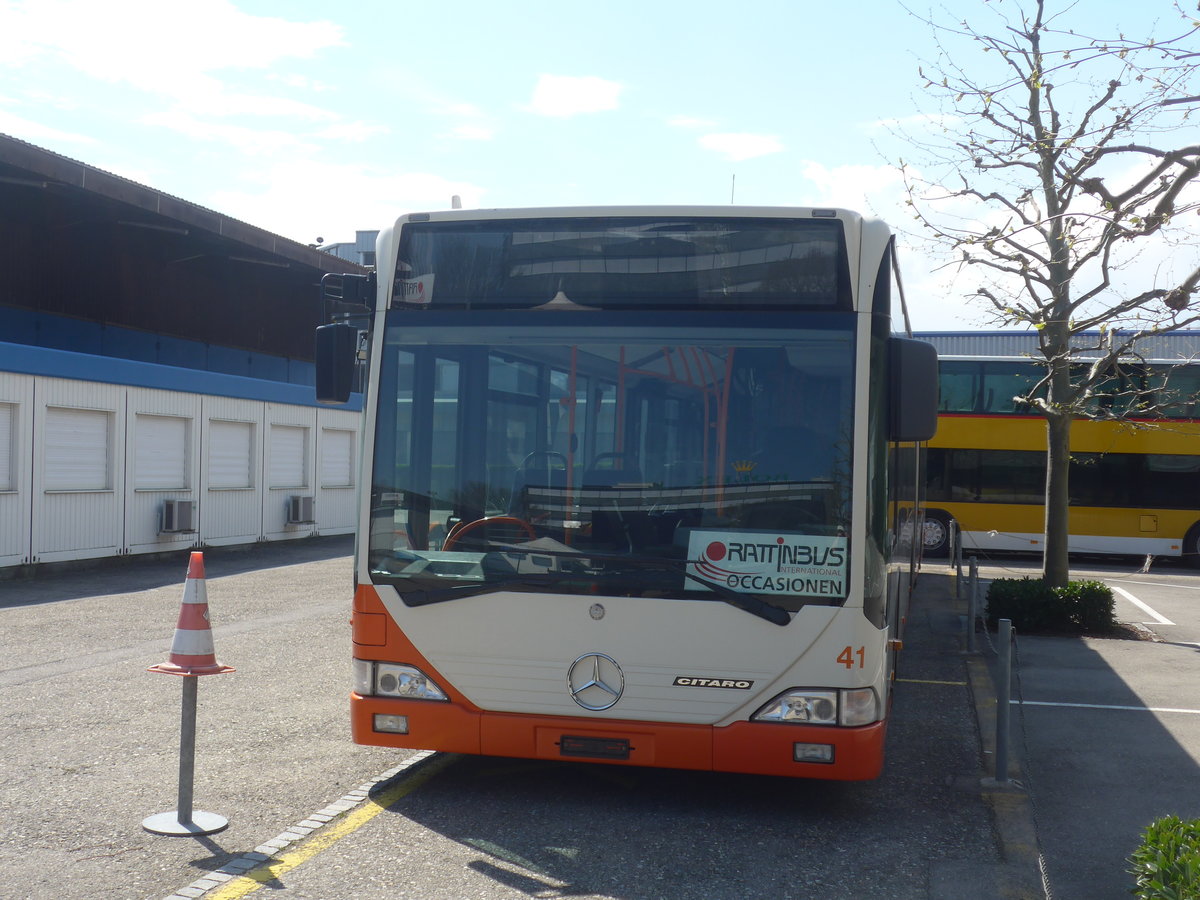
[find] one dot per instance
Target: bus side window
(1003, 383)
(958, 385)
(1176, 391)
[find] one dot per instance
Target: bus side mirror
(336, 355)
(913, 371)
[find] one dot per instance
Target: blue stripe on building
(45, 361)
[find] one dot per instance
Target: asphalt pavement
(90, 740)
(1104, 739)
(1107, 739)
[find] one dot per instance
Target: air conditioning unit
(300, 510)
(178, 516)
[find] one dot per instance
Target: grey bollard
(1003, 699)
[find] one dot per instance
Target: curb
(1012, 808)
(264, 852)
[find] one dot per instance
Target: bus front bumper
(758, 748)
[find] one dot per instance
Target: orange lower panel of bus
(749, 747)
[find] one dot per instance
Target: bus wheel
(936, 534)
(1191, 547)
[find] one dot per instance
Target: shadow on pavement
(1104, 739)
(53, 582)
(1106, 746)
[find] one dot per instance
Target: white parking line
(1158, 619)
(1160, 709)
(1168, 584)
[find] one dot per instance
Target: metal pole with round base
(183, 820)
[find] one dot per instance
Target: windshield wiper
(750, 603)
(441, 595)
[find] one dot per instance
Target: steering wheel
(457, 532)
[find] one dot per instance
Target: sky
(315, 120)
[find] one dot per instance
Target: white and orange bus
(633, 480)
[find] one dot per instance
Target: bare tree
(1044, 180)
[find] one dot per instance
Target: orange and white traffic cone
(192, 652)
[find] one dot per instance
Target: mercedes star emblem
(595, 681)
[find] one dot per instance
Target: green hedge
(1081, 606)
(1167, 864)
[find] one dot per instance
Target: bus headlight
(394, 680)
(803, 706)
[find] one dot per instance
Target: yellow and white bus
(631, 486)
(1134, 479)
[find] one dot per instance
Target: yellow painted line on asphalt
(931, 681)
(275, 868)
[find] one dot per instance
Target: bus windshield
(645, 455)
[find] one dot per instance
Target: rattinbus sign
(765, 563)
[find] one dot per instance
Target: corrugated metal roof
(87, 255)
(23, 160)
(1175, 345)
